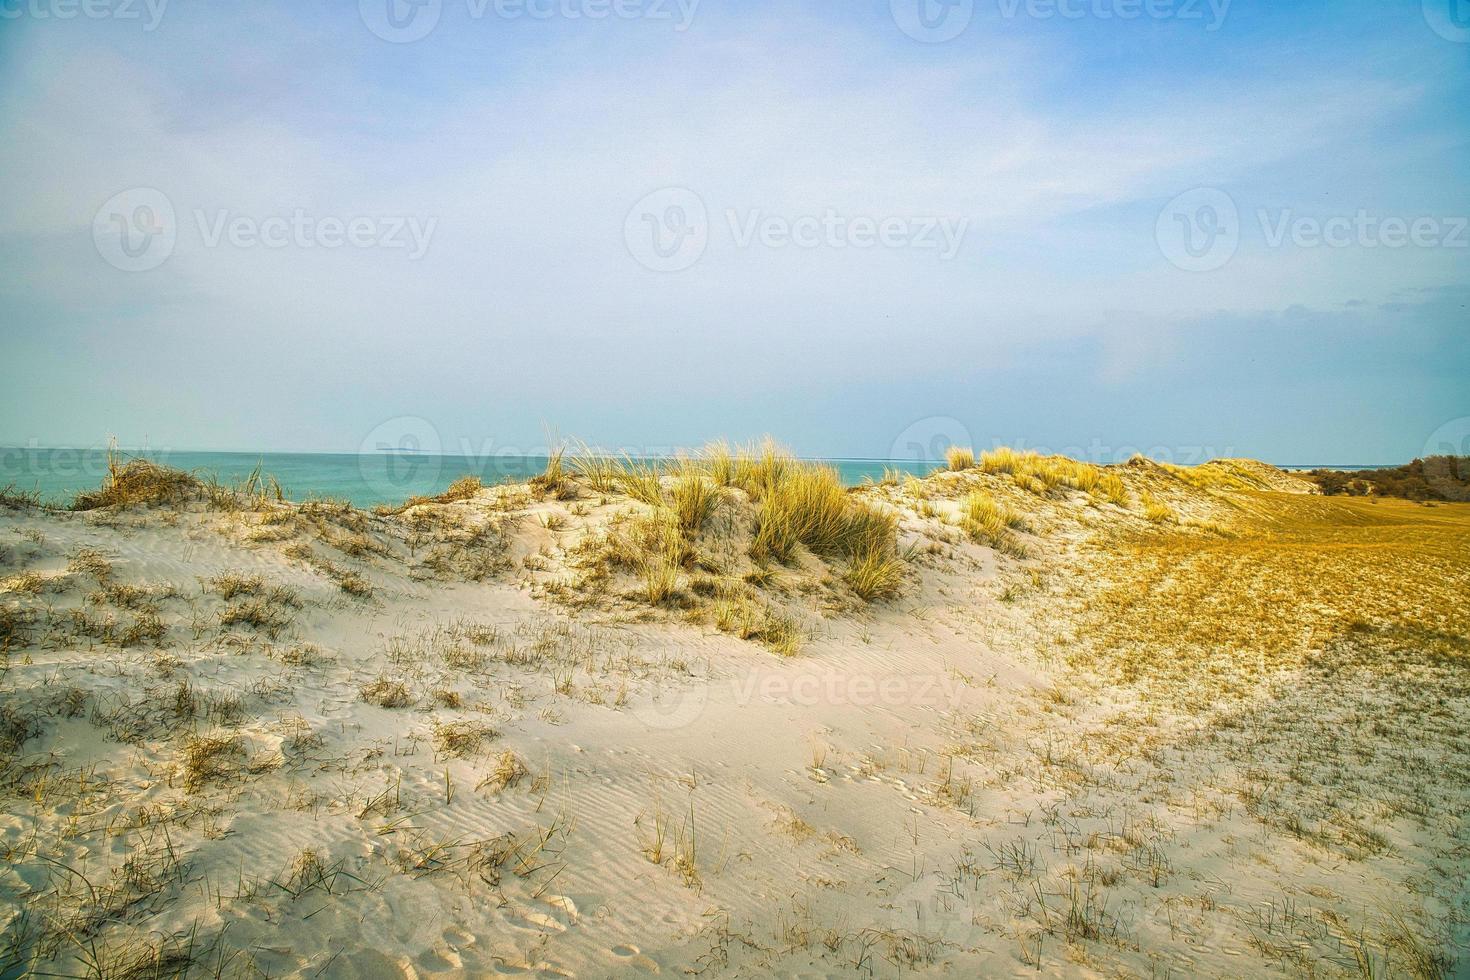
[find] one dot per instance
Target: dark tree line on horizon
(1435, 478)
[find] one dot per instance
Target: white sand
(925, 788)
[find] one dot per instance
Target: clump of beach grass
(138, 482)
(694, 499)
(508, 771)
(642, 480)
(959, 458)
(875, 575)
(805, 504)
(386, 692)
(15, 498)
(464, 488)
(208, 758)
(458, 739)
(1040, 474)
(988, 522)
(752, 621)
(555, 480)
(1157, 512)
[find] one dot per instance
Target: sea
(366, 480)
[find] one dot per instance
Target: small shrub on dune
(139, 482)
(959, 458)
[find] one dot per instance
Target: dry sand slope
(1174, 723)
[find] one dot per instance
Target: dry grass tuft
(458, 739)
(259, 613)
(508, 771)
(386, 692)
(752, 621)
(799, 504)
(15, 498)
(556, 480)
(139, 482)
(465, 488)
(959, 458)
(875, 575)
(1158, 512)
(991, 523)
(211, 758)
(694, 500)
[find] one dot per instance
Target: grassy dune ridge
(1130, 719)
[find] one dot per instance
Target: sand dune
(1139, 721)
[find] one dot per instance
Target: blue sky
(1077, 153)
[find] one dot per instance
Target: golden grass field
(725, 717)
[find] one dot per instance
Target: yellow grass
(959, 458)
(694, 501)
(989, 522)
(1200, 615)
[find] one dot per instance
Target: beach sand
(1213, 725)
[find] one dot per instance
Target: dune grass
(796, 505)
(694, 500)
(806, 505)
(959, 458)
(138, 482)
(1157, 511)
(15, 498)
(464, 488)
(988, 522)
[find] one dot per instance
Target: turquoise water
(365, 480)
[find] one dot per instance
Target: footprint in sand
(439, 961)
(542, 970)
(632, 956)
(561, 915)
(456, 937)
(536, 921)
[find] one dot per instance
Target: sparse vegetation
(387, 692)
(991, 523)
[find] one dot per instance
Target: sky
(1182, 227)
